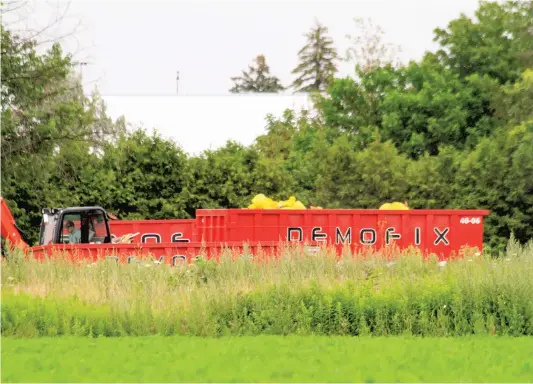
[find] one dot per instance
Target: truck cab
(76, 225)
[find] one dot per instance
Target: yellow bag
(399, 206)
(395, 206)
(260, 201)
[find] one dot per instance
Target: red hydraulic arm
(8, 227)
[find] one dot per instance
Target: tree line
(452, 130)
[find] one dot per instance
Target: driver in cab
(74, 236)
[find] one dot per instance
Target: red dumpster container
(156, 231)
(442, 232)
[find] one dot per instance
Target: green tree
(497, 176)
(308, 154)
(299, 143)
(43, 113)
(498, 43)
(362, 179)
(230, 176)
(257, 79)
(436, 109)
(26, 190)
(276, 142)
(33, 119)
(431, 180)
(356, 107)
(317, 58)
(151, 177)
(420, 108)
(43, 105)
(513, 104)
(79, 177)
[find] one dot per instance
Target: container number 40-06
(470, 220)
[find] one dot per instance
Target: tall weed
(295, 294)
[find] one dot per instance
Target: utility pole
(82, 64)
(177, 80)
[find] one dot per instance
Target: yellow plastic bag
(288, 203)
(260, 201)
(395, 206)
(399, 206)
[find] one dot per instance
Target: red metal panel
(156, 231)
(442, 232)
(212, 224)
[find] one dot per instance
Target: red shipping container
(442, 232)
(156, 231)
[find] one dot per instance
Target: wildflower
(442, 263)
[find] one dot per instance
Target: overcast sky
(134, 48)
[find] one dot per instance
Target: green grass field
(268, 359)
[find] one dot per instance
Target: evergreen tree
(317, 61)
(257, 79)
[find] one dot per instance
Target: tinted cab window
(87, 227)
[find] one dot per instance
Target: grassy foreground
(268, 359)
(299, 294)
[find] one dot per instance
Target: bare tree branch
(20, 17)
(14, 5)
(368, 50)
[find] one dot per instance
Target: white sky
(134, 49)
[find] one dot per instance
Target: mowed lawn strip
(267, 359)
